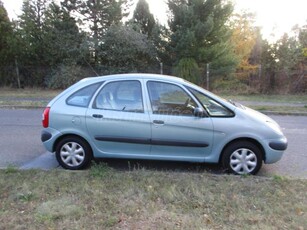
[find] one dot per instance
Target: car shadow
(157, 165)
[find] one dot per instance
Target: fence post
(208, 76)
(161, 67)
(17, 73)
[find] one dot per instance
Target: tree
(64, 43)
(199, 31)
(49, 40)
(32, 57)
(98, 16)
(188, 68)
(244, 39)
(297, 66)
(143, 22)
(6, 33)
(160, 38)
(66, 48)
(142, 17)
(280, 64)
(126, 50)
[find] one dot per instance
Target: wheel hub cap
(72, 154)
(243, 161)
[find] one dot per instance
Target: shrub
(232, 86)
(64, 76)
(188, 69)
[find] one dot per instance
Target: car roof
(133, 76)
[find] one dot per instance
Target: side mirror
(199, 112)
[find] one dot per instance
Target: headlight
(276, 128)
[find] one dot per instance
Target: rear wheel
(242, 157)
(73, 153)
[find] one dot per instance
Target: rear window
(82, 97)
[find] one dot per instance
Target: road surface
(20, 136)
(20, 144)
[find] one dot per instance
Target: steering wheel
(188, 105)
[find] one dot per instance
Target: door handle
(97, 116)
(158, 122)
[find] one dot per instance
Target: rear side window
(83, 96)
(125, 96)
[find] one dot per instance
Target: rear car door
(117, 122)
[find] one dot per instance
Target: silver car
(157, 117)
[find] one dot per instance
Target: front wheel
(242, 157)
(73, 153)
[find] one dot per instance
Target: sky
(275, 17)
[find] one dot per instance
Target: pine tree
(6, 33)
(5, 30)
(30, 32)
(97, 16)
(199, 32)
(64, 43)
(126, 50)
(143, 18)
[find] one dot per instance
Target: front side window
(170, 99)
(82, 97)
(121, 96)
(214, 108)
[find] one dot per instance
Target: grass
(279, 109)
(23, 103)
(283, 104)
(299, 98)
(28, 93)
(29, 97)
(105, 198)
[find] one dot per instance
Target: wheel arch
(70, 135)
(255, 142)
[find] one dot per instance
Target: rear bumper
(48, 137)
(45, 136)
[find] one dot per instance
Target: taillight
(45, 118)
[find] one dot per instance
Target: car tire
(242, 157)
(73, 153)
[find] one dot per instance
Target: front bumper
(275, 149)
(279, 145)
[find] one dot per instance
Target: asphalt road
(294, 161)
(20, 145)
(20, 136)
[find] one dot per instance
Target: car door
(117, 122)
(176, 133)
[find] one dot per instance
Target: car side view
(157, 117)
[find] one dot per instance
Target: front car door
(176, 133)
(117, 121)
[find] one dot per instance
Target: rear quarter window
(82, 97)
